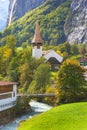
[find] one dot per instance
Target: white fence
(7, 102)
(7, 106)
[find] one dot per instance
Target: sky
(3, 0)
(4, 5)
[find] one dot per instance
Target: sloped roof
(46, 52)
(84, 59)
(7, 83)
(37, 36)
(53, 54)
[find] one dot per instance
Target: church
(53, 58)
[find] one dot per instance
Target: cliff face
(76, 22)
(18, 8)
(74, 25)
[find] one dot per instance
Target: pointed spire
(37, 37)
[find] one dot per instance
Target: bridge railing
(37, 95)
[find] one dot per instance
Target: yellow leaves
(7, 53)
(71, 62)
(10, 41)
(59, 52)
(50, 89)
(65, 55)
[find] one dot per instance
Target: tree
(13, 69)
(74, 49)
(5, 54)
(65, 48)
(68, 47)
(26, 75)
(24, 44)
(83, 51)
(27, 72)
(71, 78)
(11, 43)
(42, 76)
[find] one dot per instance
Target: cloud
(3, 0)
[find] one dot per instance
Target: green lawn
(65, 117)
(53, 74)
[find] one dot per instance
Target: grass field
(64, 117)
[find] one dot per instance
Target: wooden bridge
(37, 95)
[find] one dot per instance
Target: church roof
(37, 36)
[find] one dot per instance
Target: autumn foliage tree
(27, 73)
(71, 79)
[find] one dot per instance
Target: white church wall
(37, 52)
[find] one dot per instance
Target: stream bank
(37, 108)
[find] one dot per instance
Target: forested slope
(52, 15)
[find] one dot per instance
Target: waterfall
(11, 12)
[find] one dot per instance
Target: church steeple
(37, 42)
(37, 36)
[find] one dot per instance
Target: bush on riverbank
(22, 106)
(51, 100)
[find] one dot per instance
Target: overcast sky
(4, 5)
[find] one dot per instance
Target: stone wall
(6, 116)
(22, 107)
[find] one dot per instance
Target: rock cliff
(74, 25)
(18, 8)
(76, 22)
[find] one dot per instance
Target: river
(36, 106)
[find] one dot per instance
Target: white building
(50, 55)
(8, 95)
(53, 58)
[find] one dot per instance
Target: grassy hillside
(65, 117)
(52, 15)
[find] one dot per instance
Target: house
(50, 55)
(83, 61)
(8, 95)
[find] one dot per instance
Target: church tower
(37, 43)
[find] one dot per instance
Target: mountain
(52, 16)
(3, 13)
(18, 8)
(76, 23)
(60, 20)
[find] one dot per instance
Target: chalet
(50, 55)
(8, 95)
(53, 58)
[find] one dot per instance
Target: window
(4, 96)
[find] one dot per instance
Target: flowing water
(36, 106)
(11, 12)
